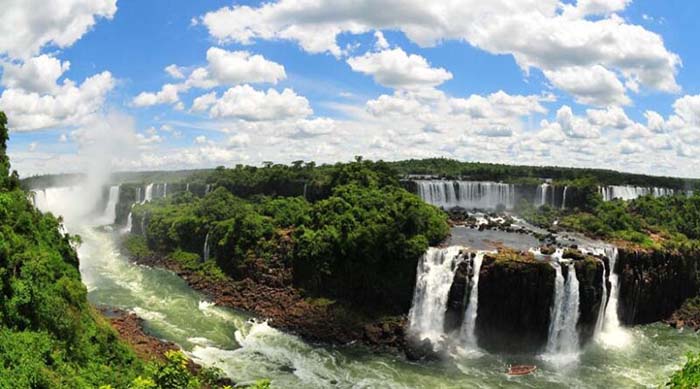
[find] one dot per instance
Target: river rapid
(247, 349)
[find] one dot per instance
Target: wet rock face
(515, 299)
(589, 273)
(458, 297)
(653, 284)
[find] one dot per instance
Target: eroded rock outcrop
(653, 284)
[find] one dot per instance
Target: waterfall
(305, 184)
(434, 278)
(205, 250)
(541, 194)
(563, 201)
(626, 192)
(138, 195)
(110, 211)
(611, 332)
(149, 194)
(563, 337)
(469, 323)
(467, 194)
(603, 303)
(187, 187)
(165, 190)
(207, 189)
(129, 222)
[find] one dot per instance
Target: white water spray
(563, 342)
(469, 324)
(467, 194)
(436, 271)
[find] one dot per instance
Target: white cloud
(239, 140)
(396, 69)
(381, 42)
(224, 68)
(655, 122)
(574, 126)
(589, 85)
(238, 67)
(244, 102)
(69, 105)
(544, 34)
(203, 102)
(175, 71)
(28, 25)
(200, 140)
(612, 117)
(167, 95)
(38, 74)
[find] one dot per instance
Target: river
(247, 350)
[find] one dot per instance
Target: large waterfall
(563, 339)
(110, 211)
(541, 194)
(611, 332)
(436, 271)
(469, 324)
(467, 194)
(149, 194)
(631, 192)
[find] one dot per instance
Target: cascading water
(611, 332)
(207, 189)
(149, 194)
(110, 211)
(205, 249)
(563, 200)
(187, 187)
(305, 185)
(129, 223)
(436, 271)
(603, 303)
(467, 194)
(165, 190)
(563, 342)
(541, 194)
(469, 324)
(138, 195)
(626, 192)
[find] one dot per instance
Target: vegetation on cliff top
(450, 168)
(50, 336)
(360, 242)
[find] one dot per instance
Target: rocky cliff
(653, 284)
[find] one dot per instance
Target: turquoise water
(247, 350)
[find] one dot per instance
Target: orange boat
(521, 369)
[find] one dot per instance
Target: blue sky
(589, 83)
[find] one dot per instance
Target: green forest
(356, 237)
(50, 336)
(359, 243)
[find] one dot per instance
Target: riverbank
(284, 307)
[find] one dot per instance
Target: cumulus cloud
(544, 34)
(168, 94)
(38, 74)
(396, 69)
(244, 102)
(223, 68)
(28, 25)
(68, 105)
(593, 85)
(237, 67)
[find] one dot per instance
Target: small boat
(521, 369)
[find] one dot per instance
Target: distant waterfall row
(467, 194)
(632, 192)
(492, 195)
(438, 275)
